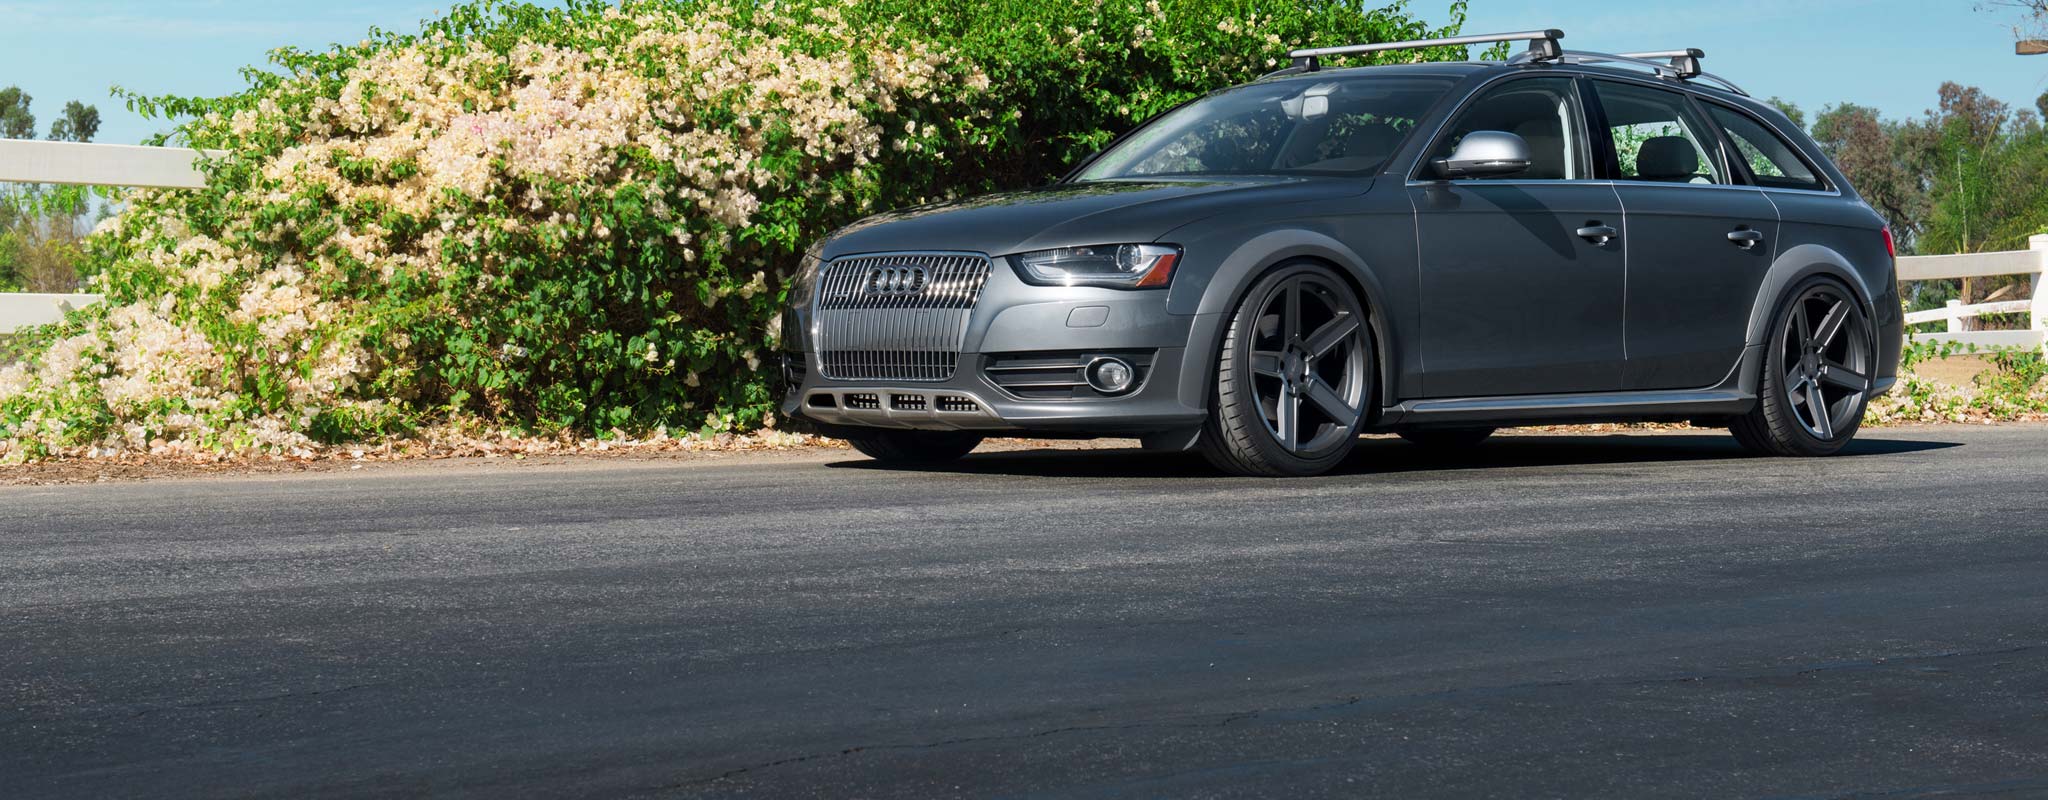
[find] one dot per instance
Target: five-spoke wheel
(1293, 378)
(1816, 380)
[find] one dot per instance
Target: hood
(1064, 215)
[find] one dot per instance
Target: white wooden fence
(173, 168)
(2031, 263)
(24, 161)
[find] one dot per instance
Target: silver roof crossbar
(1543, 46)
(1686, 61)
(1683, 65)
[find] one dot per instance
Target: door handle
(1746, 238)
(1597, 233)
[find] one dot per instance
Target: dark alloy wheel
(1816, 381)
(913, 447)
(1293, 378)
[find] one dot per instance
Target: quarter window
(1544, 112)
(1774, 162)
(1658, 138)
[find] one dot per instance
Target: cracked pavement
(1651, 615)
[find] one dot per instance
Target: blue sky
(1891, 54)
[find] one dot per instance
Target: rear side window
(1774, 162)
(1658, 137)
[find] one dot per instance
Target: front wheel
(1816, 381)
(1293, 377)
(913, 447)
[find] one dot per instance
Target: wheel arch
(1795, 266)
(1253, 260)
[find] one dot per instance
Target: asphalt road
(1639, 616)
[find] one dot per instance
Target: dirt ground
(1960, 370)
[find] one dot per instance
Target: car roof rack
(1683, 65)
(1543, 46)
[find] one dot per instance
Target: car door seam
(1627, 267)
(1778, 215)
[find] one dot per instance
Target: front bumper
(1012, 318)
(970, 401)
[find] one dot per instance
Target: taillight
(1890, 247)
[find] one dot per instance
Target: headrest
(1667, 157)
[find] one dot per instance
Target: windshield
(1340, 126)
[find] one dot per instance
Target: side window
(1774, 162)
(1658, 137)
(1544, 112)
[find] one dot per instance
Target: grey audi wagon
(1431, 250)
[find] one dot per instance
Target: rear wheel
(1447, 438)
(913, 447)
(1293, 378)
(1816, 381)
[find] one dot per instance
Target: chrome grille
(896, 317)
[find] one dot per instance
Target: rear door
(1513, 298)
(1700, 240)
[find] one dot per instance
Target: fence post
(1953, 323)
(2039, 244)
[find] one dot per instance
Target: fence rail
(24, 161)
(71, 164)
(1956, 317)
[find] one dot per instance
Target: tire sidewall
(1772, 385)
(1235, 353)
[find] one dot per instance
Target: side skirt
(1556, 408)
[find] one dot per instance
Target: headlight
(803, 286)
(1119, 266)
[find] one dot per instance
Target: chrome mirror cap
(1485, 154)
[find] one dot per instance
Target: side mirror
(1485, 154)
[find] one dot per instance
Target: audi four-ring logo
(896, 280)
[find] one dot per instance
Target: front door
(1521, 277)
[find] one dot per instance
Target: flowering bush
(578, 220)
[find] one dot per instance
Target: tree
(1983, 164)
(41, 226)
(79, 124)
(1790, 110)
(2034, 16)
(1868, 151)
(15, 120)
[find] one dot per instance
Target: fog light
(1111, 375)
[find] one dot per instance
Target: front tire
(1816, 382)
(1293, 377)
(913, 447)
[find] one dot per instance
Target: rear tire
(1294, 377)
(913, 447)
(1447, 438)
(1816, 375)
